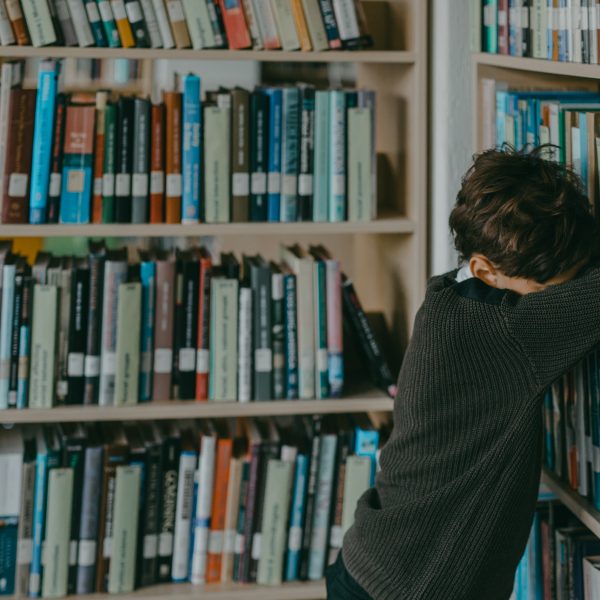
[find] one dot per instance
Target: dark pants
(341, 585)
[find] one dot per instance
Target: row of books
(106, 330)
(275, 154)
(569, 120)
(116, 507)
(200, 24)
(559, 30)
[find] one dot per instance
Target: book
(356, 481)
(39, 22)
(301, 26)
(199, 25)
(6, 319)
(119, 10)
(321, 330)
(321, 157)
(140, 183)
(240, 159)
(109, 164)
(164, 24)
(17, 20)
(95, 23)
(148, 307)
(157, 163)
(81, 23)
(286, 26)
(266, 24)
(274, 130)
(7, 36)
(252, 22)
(124, 158)
(203, 337)
(290, 153)
(217, 153)
(245, 345)
(152, 27)
(306, 153)
(24, 343)
(294, 544)
(234, 485)
(235, 24)
(259, 109)
(337, 154)
(330, 23)
(178, 23)
(315, 24)
(191, 160)
(173, 160)
(109, 24)
(135, 16)
(66, 27)
(99, 137)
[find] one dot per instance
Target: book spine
(63, 281)
(218, 30)
(151, 24)
(115, 274)
(240, 176)
(360, 186)
(335, 537)
(284, 19)
(77, 333)
(306, 159)
(25, 533)
(335, 346)
(290, 154)
(235, 24)
(290, 337)
(196, 25)
(65, 23)
(109, 23)
(163, 330)
(24, 345)
(109, 164)
(148, 281)
(331, 27)
(274, 153)
(217, 124)
(252, 22)
(258, 156)
(7, 36)
(173, 157)
(202, 354)
(83, 30)
(186, 376)
(15, 14)
(266, 25)
(91, 366)
(183, 516)
(321, 157)
(148, 538)
(55, 186)
(10, 75)
(292, 563)
(39, 506)
(178, 23)
(101, 99)
(39, 22)
(95, 21)
(124, 159)
(164, 24)
(191, 150)
(6, 319)
(231, 513)
(168, 504)
(320, 304)
(301, 26)
(316, 27)
(157, 164)
(15, 337)
(278, 335)
(141, 161)
(240, 542)
(135, 16)
(119, 11)
(262, 330)
(245, 346)
(337, 156)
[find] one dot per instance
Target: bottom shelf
(313, 590)
(581, 507)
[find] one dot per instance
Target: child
(453, 503)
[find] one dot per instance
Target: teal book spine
(148, 280)
(321, 164)
(191, 150)
(109, 24)
(337, 156)
(275, 97)
(6, 318)
(292, 563)
(320, 287)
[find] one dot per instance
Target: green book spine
(128, 343)
(121, 575)
(321, 167)
(360, 200)
(356, 482)
(322, 369)
(217, 180)
(274, 522)
(43, 346)
(110, 149)
(58, 531)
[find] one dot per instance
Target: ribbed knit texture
(452, 506)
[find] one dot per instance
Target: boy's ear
(483, 269)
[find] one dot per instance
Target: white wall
(451, 121)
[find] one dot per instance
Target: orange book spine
(301, 26)
(101, 99)
(173, 157)
(202, 354)
(123, 25)
(15, 14)
(157, 164)
(217, 520)
(235, 24)
(555, 43)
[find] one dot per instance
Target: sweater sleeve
(558, 326)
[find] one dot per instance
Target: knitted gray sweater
(452, 506)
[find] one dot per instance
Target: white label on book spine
(240, 184)
(55, 182)
(34, 584)
(562, 18)
(488, 15)
(119, 9)
(187, 359)
(584, 18)
(105, 10)
(239, 543)
(73, 552)
(305, 184)
(150, 545)
(263, 360)
(502, 18)
(216, 542)
(295, 540)
(336, 537)
(24, 551)
(165, 544)
(108, 184)
(525, 17)
(322, 359)
(134, 11)
(109, 363)
(258, 183)
(86, 553)
(256, 540)
(175, 10)
(107, 547)
(163, 360)
(229, 541)
(174, 185)
(92, 366)
(157, 182)
(123, 184)
(290, 185)
(274, 182)
(92, 12)
(140, 184)
(146, 362)
(338, 185)
(17, 185)
(62, 388)
(75, 364)
(202, 358)
(98, 186)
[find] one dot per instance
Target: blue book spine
(275, 97)
(292, 564)
(290, 154)
(321, 165)
(39, 507)
(490, 11)
(75, 204)
(501, 98)
(23, 374)
(8, 554)
(194, 522)
(42, 141)
(512, 28)
(6, 318)
(190, 207)
(290, 336)
(337, 156)
(563, 40)
(93, 15)
(366, 443)
(148, 280)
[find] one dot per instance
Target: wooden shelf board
(359, 56)
(536, 65)
(581, 507)
(233, 591)
(390, 224)
(371, 400)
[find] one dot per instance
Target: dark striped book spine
(307, 142)
(278, 335)
(189, 331)
(14, 339)
(260, 282)
(150, 532)
(259, 106)
(136, 19)
(80, 288)
(91, 366)
(331, 28)
(290, 336)
(140, 182)
(124, 160)
(55, 186)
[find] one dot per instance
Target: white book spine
(245, 346)
(252, 22)
(7, 37)
(39, 22)
(593, 35)
(286, 25)
(206, 473)
(164, 24)
(79, 17)
(345, 16)
(183, 515)
(575, 32)
(8, 291)
(266, 23)
(152, 24)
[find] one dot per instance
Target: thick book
(240, 154)
(39, 22)
(216, 22)
(290, 155)
(203, 337)
(109, 163)
(173, 157)
(164, 24)
(66, 27)
(351, 22)
(252, 22)
(191, 160)
(140, 179)
(56, 161)
(157, 163)
(101, 101)
(136, 19)
(217, 155)
(296, 521)
(236, 28)
(148, 291)
(274, 135)
(42, 140)
(17, 20)
(124, 160)
(122, 22)
(78, 158)
(81, 23)
(286, 26)
(199, 25)
(316, 27)
(357, 480)
(360, 168)
(109, 24)
(178, 23)
(259, 115)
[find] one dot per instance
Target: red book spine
(157, 164)
(202, 355)
(234, 21)
(101, 99)
(173, 157)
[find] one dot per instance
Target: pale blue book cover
(292, 564)
(321, 164)
(42, 140)
(192, 110)
(148, 280)
(366, 443)
(337, 156)
(275, 96)
(6, 318)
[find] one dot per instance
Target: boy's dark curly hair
(529, 216)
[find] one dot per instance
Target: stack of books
(116, 507)
(199, 24)
(559, 30)
(174, 325)
(285, 154)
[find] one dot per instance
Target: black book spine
(149, 559)
(54, 188)
(259, 107)
(13, 374)
(80, 285)
(278, 335)
(124, 160)
(178, 311)
(168, 501)
(262, 343)
(307, 142)
(24, 342)
(330, 23)
(135, 16)
(242, 566)
(526, 30)
(140, 181)
(91, 366)
(291, 337)
(188, 331)
(138, 456)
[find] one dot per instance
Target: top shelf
(360, 56)
(536, 65)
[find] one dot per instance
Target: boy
(452, 506)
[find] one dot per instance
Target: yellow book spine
(301, 26)
(123, 26)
